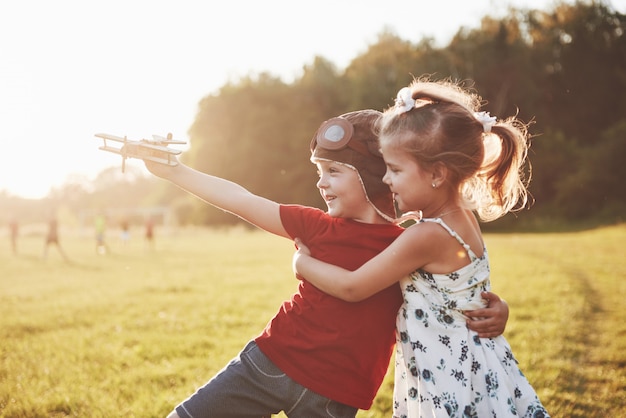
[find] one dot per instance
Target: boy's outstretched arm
(491, 321)
(223, 194)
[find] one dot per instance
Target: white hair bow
(404, 101)
(487, 120)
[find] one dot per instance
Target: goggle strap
(359, 147)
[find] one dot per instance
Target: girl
(444, 161)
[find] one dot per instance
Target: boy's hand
(160, 169)
(158, 162)
(491, 321)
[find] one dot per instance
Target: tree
(582, 49)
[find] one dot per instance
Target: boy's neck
(375, 219)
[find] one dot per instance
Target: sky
(72, 68)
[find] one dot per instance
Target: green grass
(134, 332)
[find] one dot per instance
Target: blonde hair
(486, 167)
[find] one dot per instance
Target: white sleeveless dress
(443, 369)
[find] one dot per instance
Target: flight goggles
(336, 134)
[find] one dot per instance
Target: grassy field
(134, 332)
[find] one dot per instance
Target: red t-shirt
(338, 349)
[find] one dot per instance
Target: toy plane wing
(160, 148)
(163, 140)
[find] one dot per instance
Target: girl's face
(341, 189)
(410, 184)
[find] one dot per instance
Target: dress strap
(453, 233)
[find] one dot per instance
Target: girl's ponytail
(505, 170)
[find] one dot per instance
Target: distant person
(318, 356)
(100, 225)
(13, 233)
(125, 233)
(52, 238)
(149, 235)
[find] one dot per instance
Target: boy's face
(341, 189)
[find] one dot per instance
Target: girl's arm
(414, 248)
(357, 285)
(223, 194)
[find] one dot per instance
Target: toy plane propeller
(155, 149)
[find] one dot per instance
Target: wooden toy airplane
(155, 149)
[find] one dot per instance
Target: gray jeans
(251, 386)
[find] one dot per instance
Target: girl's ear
(439, 173)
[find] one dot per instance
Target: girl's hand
(301, 248)
(491, 321)
(301, 251)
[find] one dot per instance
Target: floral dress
(443, 369)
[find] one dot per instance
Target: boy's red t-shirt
(338, 349)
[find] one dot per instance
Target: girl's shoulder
(426, 233)
(461, 230)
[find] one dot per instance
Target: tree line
(563, 71)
